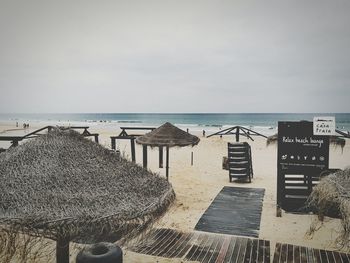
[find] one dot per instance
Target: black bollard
(100, 253)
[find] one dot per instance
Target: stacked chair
(240, 161)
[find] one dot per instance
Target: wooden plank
(203, 248)
(223, 250)
(277, 254)
(241, 253)
(158, 249)
(266, 258)
(191, 254)
(310, 255)
(157, 242)
(210, 249)
(254, 255)
(149, 242)
(323, 254)
(337, 257)
(296, 254)
(177, 245)
(284, 249)
(303, 256)
(317, 256)
(344, 257)
(230, 251)
(248, 251)
(168, 244)
(330, 256)
(216, 250)
(290, 254)
(183, 246)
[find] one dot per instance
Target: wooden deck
(287, 253)
(203, 247)
(234, 211)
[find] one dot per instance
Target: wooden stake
(144, 156)
(62, 250)
(161, 157)
(167, 163)
(133, 156)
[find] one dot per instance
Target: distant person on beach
(187, 130)
(203, 133)
(16, 123)
(24, 125)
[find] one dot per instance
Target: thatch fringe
(332, 197)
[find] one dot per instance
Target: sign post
(302, 156)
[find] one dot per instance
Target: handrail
(16, 139)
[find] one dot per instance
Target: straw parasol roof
(168, 135)
(332, 197)
(63, 185)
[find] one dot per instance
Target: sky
(174, 56)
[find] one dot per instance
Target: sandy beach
(196, 186)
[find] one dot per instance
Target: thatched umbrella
(167, 136)
(64, 187)
(332, 197)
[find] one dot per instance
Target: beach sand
(196, 186)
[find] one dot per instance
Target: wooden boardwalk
(203, 247)
(287, 253)
(234, 211)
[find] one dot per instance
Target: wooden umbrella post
(160, 156)
(133, 157)
(144, 156)
(62, 250)
(167, 163)
(237, 134)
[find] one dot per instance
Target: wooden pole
(167, 163)
(113, 143)
(96, 138)
(133, 156)
(237, 134)
(192, 158)
(144, 156)
(62, 250)
(160, 156)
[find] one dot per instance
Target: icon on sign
(292, 157)
(305, 157)
(284, 157)
(322, 158)
(313, 158)
(298, 157)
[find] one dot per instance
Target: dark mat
(203, 247)
(296, 254)
(234, 211)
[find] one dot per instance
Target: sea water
(265, 123)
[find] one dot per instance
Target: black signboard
(302, 156)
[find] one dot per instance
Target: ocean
(261, 122)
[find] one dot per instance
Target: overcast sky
(174, 56)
